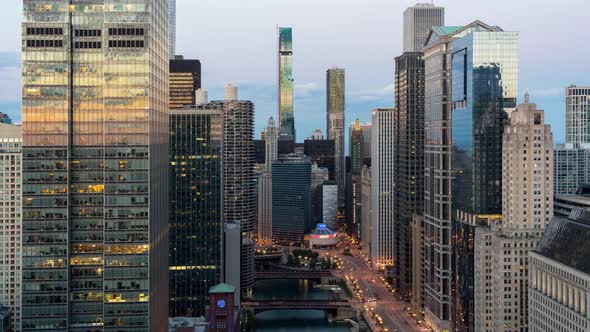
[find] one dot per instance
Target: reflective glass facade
(196, 193)
(335, 117)
(95, 150)
(286, 117)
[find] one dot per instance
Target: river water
(293, 320)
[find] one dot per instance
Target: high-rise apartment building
(572, 167)
(559, 276)
(418, 20)
(409, 162)
(196, 215)
(335, 87)
(185, 80)
(484, 90)
(286, 116)
(10, 220)
(291, 199)
(438, 174)
(265, 183)
(172, 28)
(577, 115)
(382, 188)
(95, 166)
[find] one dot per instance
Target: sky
(236, 41)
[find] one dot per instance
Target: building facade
(572, 167)
(322, 152)
(335, 87)
(95, 166)
(10, 220)
(366, 208)
(196, 215)
(185, 80)
(172, 28)
(356, 151)
(577, 115)
(265, 184)
(559, 278)
(382, 188)
(418, 20)
(409, 155)
(286, 115)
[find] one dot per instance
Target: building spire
(526, 97)
(357, 124)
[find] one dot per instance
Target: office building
(559, 276)
(286, 114)
(326, 201)
(356, 148)
(172, 28)
(409, 166)
(335, 107)
(577, 115)
(196, 201)
(366, 208)
(484, 91)
(265, 183)
(322, 152)
(185, 80)
(417, 296)
(572, 167)
(418, 20)
(438, 251)
(95, 167)
(291, 199)
(10, 220)
(382, 187)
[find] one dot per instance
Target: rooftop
(222, 288)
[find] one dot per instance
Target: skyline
(324, 41)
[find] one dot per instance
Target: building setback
(95, 166)
(335, 106)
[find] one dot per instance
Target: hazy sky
(236, 41)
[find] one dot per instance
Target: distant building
(327, 204)
(335, 87)
(356, 152)
(572, 167)
(265, 183)
(382, 188)
(559, 276)
(322, 152)
(286, 114)
(316, 135)
(10, 220)
(185, 80)
(172, 28)
(577, 115)
(291, 199)
(418, 20)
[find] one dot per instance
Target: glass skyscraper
(286, 116)
(196, 226)
(335, 117)
(172, 28)
(95, 170)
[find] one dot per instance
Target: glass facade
(196, 225)
(335, 117)
(286, 117)
(185, 79)
(95, 149)
(172, 27)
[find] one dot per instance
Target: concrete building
(382, 188)
(559, 278)
(572, 167)
(95, 166)
(185, 80)
(335, 113)
(265, 183)
(366, 213)
(418, 20)
(577, 115)
(286, 113)
(316, 135)
(10, 220)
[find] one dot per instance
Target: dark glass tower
(409, 168)
(321, 152)
(185, 79)
(95, 170)
(196, 191)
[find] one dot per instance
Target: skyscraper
(577, 115)
(265, 183)
(321, 152)
(10, 219)
(185, 80)
(196, 215)
(286, 116)
(356, 148)
(335, 87)
(572, 167)
(172, 28)
(382, 187)
(418, 20)
(438, 174)
(95, 166)
(484, 91)
(409, 165)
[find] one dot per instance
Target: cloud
(386, 92)
(306, 89)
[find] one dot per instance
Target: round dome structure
(322, 236)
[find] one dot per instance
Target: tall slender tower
(335, 86)
(286, 116)
(418, 21)
(95, 155)
(172, 28)
(577, 115)
(265, 183)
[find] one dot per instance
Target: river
(293, 320)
